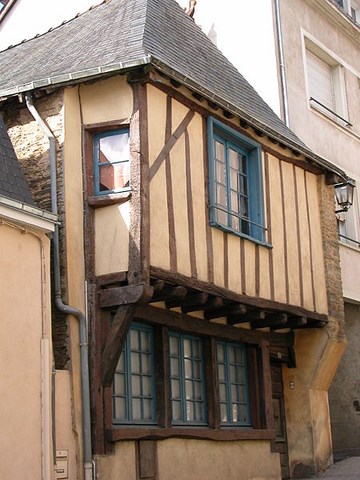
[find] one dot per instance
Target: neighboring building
(318, 45)
(194, 227)
(25, 325)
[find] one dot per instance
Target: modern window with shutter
(326, 85)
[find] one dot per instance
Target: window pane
(235, 413)
(223, 413)
(234, 202)
(188, 368)
(220, 353)
(145, 341)
(135, 362)
(190, 412)
(219, 151)
(198, 391)
(176, 410)
(199, 411)
(119, 384)
(222, 392)
(187, 347)
(220, 173)
(147, 409)
(119, 408)
(114, 147)
(221, 217)
(145, 363)
(136, 407)
(135, 385)
(221, 196)
(174, 346)
(197, 369)
(221, 372)
(174, 367)
(233, 159)
(146, 386)
(134, 339)
(189, 391)
(175, 388)
(113, 176)
(235, 223)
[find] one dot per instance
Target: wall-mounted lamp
(344, 193)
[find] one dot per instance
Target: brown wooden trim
(267, 387)
(146, 459)
(169, 192)
(226, 260)
(257, 270)
(176, 95)
(171, 142)
(115, 342)
(190, 207)
(197, 326)
(298, 236)
(139, 231)
(268, 224)
(104, 126)
(283, 208)
(209, 242)
(212, 390)
(243, 266)
(304, 165)
(108, 412)
(224, 434)
(125, 295)
(254, 385)
(310, 242)
(261, 303)
(111, 279)
(162, 365)
(106, 200)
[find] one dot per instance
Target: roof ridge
(64, 22)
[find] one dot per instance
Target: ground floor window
(195, 379)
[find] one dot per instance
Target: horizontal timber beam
(115, 296)
(230, 296)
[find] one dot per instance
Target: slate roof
(119, 34)
(12, 181)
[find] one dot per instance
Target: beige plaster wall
(294, 263)
(208, 460)
(197, 460)
(25, 321)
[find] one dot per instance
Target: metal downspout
(61, 306)
(283, 86)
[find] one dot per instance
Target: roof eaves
(29, 209)
(193, 85)
(75, 76)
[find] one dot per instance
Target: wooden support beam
(158, 286)
(213, 105)
(195, 302)
(244, 124)
(111, 279)
(259, 133)
(225, 311)
(277, 319)
(116, 296)
(198, 96)
(312, 324)
(115, 342)
(197, 326)
(170, 293)
(214, 302)
(296, 322)
(228, 114)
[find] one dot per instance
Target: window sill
(106, 200)
(241, 235)
(225, 434)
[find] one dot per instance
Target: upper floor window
(236, 189)
(326, 85)
(351, 7)
(111, 161)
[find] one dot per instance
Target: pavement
(348, 469)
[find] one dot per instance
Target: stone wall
(32, 148)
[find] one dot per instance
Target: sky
(242, 30)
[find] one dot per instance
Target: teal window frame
(234, 398)
(191, 391)
(98, 164)
(249, 188)
(128, 372)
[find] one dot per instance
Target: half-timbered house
(197, 242)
